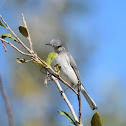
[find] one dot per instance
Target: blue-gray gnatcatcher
(69, 71)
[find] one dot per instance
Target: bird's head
(58, 45)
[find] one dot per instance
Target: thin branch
(79, 99)
(27, 61)
(4, 46)
(65, 98)
(8, 109)
(23, 53)
(7, 27)
(29, 38)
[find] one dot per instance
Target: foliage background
(95, 35)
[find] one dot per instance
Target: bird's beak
(48, 44)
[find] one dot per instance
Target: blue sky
(112, 30)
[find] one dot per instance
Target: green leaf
(9, 36)
(20, 60)
(13, 38)
(23, 30)
(68, 115)
(6, 35)
(51, 57)
(96, 121)
(1, 24)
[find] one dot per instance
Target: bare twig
(23, 53)
(8, 109)
(29, 38)
(65, 98)
(4, 46)
(79, 99)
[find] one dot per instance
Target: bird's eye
(59, 46)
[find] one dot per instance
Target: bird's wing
(74, 66)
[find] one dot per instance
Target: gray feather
(74, 66)
(83, 90)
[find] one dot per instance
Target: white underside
(67, 72)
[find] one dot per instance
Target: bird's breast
(67, 72)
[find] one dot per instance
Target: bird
(69, 71)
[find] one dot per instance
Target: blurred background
(95, 34)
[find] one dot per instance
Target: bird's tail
(90, 101)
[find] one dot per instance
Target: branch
(29, 38)
(23, 53)
(8, 109)
(65, 98)
(79, 99)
